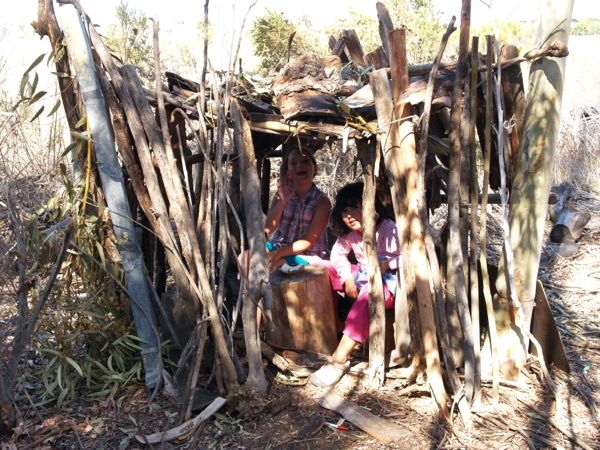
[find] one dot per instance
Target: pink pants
(357, 322)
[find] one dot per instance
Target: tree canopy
(130, 39)
(276, 39)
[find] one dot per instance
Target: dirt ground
(528, 415)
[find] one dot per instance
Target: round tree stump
(303, 311)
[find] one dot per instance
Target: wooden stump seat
(303, 311)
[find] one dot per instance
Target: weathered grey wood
(377, 58)
(408, 325)
(385, 27)
(114, 189)
(568, 226)
(544, 329)
(381, 429)
(185, 428)
(354, 50)
(258, 277)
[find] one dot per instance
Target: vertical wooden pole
(474, 191)
(487, 152)
(367, 154)
(405, 155)
(258, 277)
(456, 273)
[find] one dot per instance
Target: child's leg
(357, 322)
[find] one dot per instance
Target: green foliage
(509, 32)
(85, 338)
(586, 27)
(131, 41)
(419, 16)
(271, 33)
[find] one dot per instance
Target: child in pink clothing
(346, 222)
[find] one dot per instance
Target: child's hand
(275, 260)
(350, 288)
(285, 189)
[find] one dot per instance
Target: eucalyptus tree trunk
(114, 190)
(531, 185)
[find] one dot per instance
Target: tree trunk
(114, 189)
(531, 185)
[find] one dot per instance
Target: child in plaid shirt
(299, 212)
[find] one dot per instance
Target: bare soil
(528, 415)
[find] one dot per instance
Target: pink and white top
(387, 247)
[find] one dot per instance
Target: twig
(483, 226)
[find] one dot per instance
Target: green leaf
(35, 82)
(81, 121)
(54, 108)
(24, 81)
(38, 60)
(59, 377)
(75, 366)
(37, 96)
(37, 114)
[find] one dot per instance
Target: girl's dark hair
(350, 196)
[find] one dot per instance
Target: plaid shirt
(295, 220)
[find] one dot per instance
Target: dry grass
(578, 150)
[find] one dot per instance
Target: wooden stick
(381, 429)
(366, 154)
(184, 429)
(258, 277)
(487, 156)
(474, 232)
(440, 302)
(456, 274)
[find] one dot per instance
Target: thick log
(407, 307)
(258, 278)
(436, 273)
(486, 285)
(568, 226)
(381, 429)
(407, 153)
(474, 229)
(303, 311)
